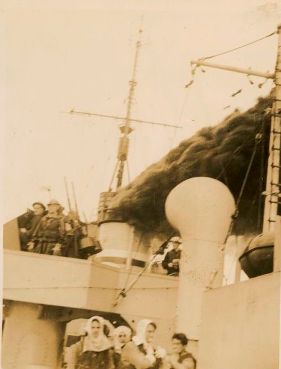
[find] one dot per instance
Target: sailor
(50, 235)
(94, 350)
(180, 358)
(29, 221)
(74, 234)
(141, 353)
(172, 258)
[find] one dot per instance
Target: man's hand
(30, 246)
(57, 249)
(160, 352)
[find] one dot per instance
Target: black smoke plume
(222, 152)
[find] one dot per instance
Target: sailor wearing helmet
(50, 236)
(29, 221)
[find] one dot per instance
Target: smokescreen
(223, 152)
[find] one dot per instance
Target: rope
(130, 270)
(113, 176)
(128, 171)
(239, 47)
(246, 142)
(235, 215)
(227, 52)
(124, 291)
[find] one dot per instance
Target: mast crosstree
(125, 127)
(273, 185)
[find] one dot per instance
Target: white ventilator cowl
(200, 209)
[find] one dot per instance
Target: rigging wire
(125, 290)
(113, 176)
(237, 150)
(173, 138)
(194, 68)
(258, 139)
(128, 171)
(239, 47)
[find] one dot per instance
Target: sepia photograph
(140, 184)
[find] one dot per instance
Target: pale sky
(61, 55)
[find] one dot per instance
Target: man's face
(95, 328)
(175, 245)
(53, 208)
(177, 346)
(122, 337)
(149, 333)
(38, 210)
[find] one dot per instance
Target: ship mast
(122, 155)
(125, 127)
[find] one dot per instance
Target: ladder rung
(278, 194)
(272, 194)
(275, 184)
(275, 202)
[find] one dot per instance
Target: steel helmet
(176, 239)
(54, 202)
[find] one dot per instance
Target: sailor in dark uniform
(28, 223)
(172, 258)
(51, 234)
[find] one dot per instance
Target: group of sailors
(49, 231)
(104, 348)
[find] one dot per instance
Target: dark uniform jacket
(30, 222)
(169, 257)
(51, 231)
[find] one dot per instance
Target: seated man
(172, 258)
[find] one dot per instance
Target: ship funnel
(200, 209)
(121, 245)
